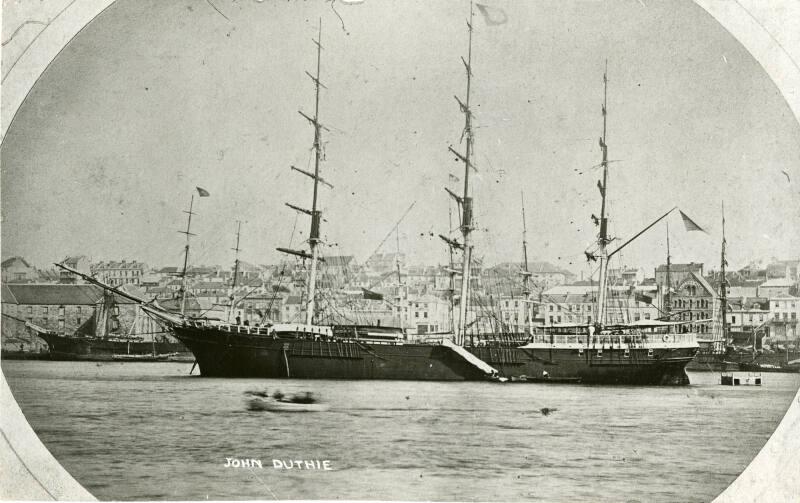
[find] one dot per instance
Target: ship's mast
(186, 254)
(452, 273)
(723, 289)
(667, 307)
(603, 240)
(313, 239)
(314, 213)
(400, 293)
(466, 200)
(526, 275)
(235, 271)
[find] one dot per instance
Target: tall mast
(313, 239)
(602, 240)
(452, 273)
(526, 275)
(186, 254)
(400, 295)
(466, 215)
(314, 213)
(667, 307)
(723, 288)
(235, 270)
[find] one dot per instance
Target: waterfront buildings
(119, 273)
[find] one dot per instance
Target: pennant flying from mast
(203, 192)
(492, 15)
(690, 224)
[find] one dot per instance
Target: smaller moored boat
(278, 402)
(738, 379)
(144, 357)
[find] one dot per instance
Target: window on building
(78, 321)
(30, 309)
(78, 310)
(647, 316)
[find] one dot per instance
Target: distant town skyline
(153, 99)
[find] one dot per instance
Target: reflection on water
(149, 431)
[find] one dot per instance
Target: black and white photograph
(400, 250)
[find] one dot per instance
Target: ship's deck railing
(614, 339)
(242, 329)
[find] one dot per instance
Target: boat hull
(221, 353)
(271, 405)
(66, 348)
(662, 367)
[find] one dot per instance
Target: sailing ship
(644, 352)
(145, 341)
(311, 350)
(600, 352)
(714, 353)
(720, 353)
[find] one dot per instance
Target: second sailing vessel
(642, 353)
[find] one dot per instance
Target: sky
(155, 98)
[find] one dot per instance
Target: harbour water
(132, 431)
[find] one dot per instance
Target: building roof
(209, 285)
(777, 283)
(10, 261)
(73, 260)
(535, 267)
(703, 283)
(124, 264)
(690, 267)
(58, 294)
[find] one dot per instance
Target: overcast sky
(156, 97)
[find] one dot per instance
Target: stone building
(69, 309)
(694, 301)
(677, 274)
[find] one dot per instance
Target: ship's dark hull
(733, 360)
(66, 348)
(221, 353)
(665, 366)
